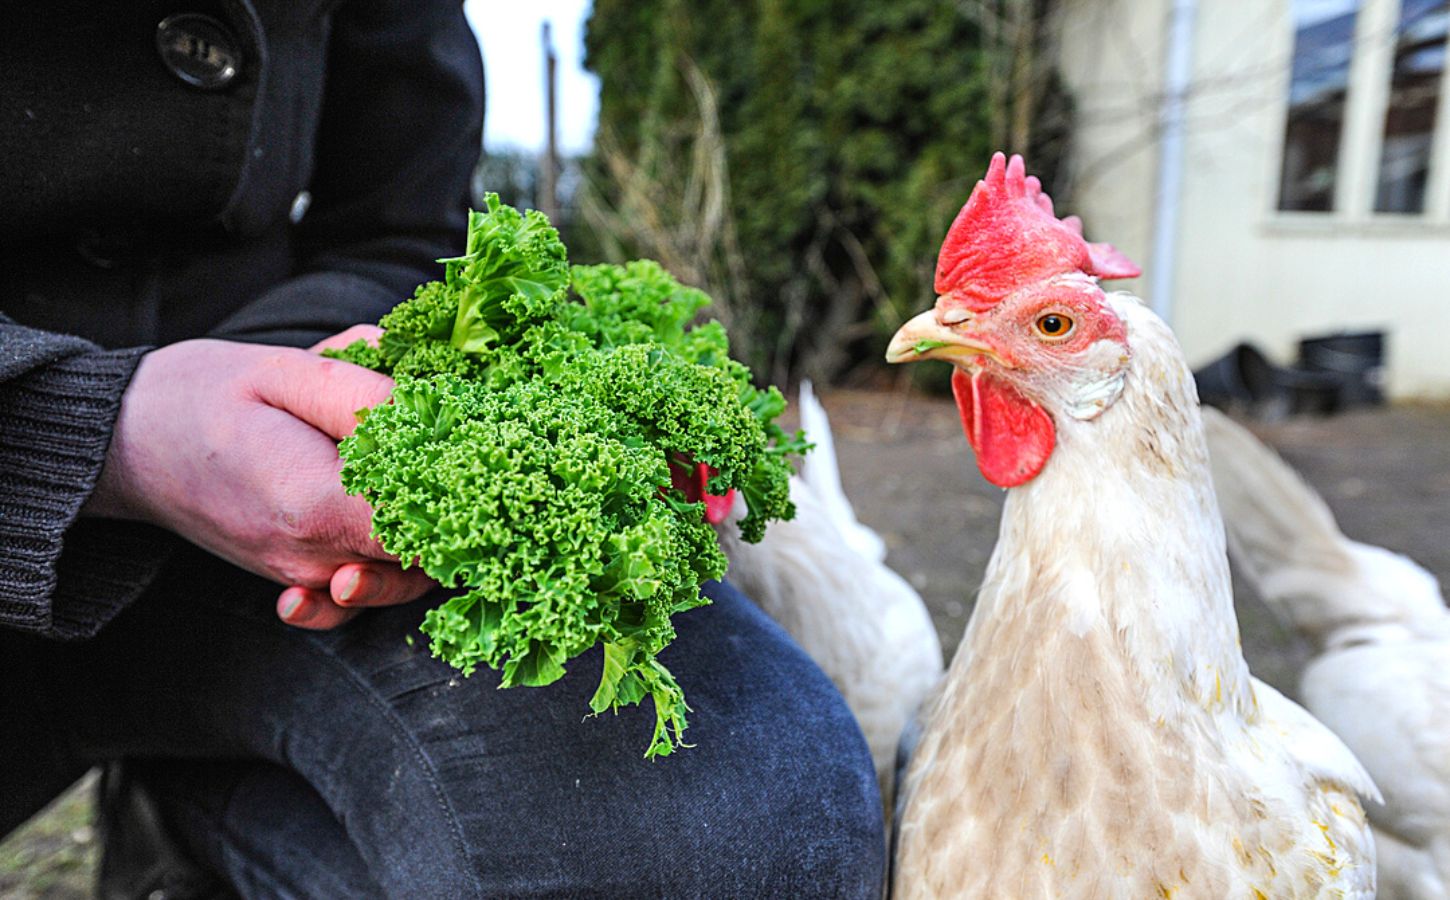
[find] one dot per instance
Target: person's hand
(234, 447)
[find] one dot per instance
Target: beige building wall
(1246, 271)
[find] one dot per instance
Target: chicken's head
(1021, 316)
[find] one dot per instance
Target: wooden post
(549, 170)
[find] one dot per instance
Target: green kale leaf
(524, 460)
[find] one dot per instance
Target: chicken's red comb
(1007, 237)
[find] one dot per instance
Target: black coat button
(199, 50)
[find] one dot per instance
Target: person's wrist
(115, 495)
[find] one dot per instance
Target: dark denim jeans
(353, 764)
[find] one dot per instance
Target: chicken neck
(1119, 541)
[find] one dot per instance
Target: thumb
(324, 393)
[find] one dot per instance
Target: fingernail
(290, 601)
(350, 588)
(360, 587)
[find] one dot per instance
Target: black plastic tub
(1356, 359)
(1305, 392)
(1241, 377)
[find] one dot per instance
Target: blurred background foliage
(801, 159)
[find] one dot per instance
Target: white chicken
(1381, 633)
(820, 473)
(1098, 734)
(822, 576)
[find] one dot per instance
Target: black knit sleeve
(59, 398)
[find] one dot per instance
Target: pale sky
(513, 61)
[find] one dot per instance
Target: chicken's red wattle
(1011, 435)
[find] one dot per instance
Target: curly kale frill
(544, 505)
(525, 459)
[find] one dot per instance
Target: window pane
(1414, 94)
(1318, 82)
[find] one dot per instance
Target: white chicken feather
(1380, 678)
(820, 577)
(821, 474)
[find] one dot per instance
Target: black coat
(151, 163)
(139, 208)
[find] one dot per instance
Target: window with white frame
(1365, 85)
(1409, 133)
(1318, 87)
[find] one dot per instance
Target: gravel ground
(911, 476)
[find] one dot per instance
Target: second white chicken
(1380, 677)
(822, 577)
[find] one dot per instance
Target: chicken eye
(1054, 325)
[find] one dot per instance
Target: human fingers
(311, 609)
(311, 525)
(369, 333)
(324, 393)
(377, 584)
(352, 532)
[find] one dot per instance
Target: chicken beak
(925, 337)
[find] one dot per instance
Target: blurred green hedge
(799, 159)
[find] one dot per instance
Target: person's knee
(814, 827)
(791, 800)
(781, 804)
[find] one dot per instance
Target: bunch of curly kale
(525, 458)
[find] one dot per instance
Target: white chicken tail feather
(1274, 519)
(820, 472)
(1285, 542)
